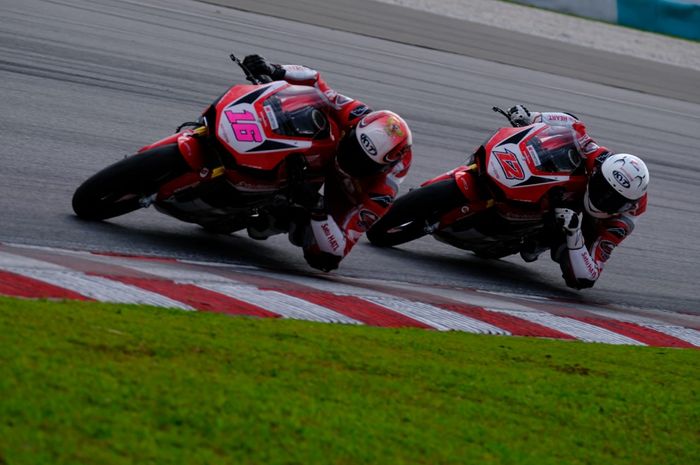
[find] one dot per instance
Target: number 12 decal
(510, 164)
(245, 127)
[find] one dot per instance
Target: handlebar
(503, 112)
(264, 79)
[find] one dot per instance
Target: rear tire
(117, 189)
(407, 218)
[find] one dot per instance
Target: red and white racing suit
(581, 266)
(352, 205)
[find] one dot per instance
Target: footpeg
(146, 202)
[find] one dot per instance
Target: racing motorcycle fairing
(507, 194)
(525, 163)
(259, 126)
(190, 148)
(460, 174)
(239, 153)
(467, 179)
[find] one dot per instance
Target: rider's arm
(294, 74)
(554, 118)
(334, 238)
(521, 116)
(334, 235)
(347, 108)
(329, 243)
(348, 111)
(298, 74)
(583, 260)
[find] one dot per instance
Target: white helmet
(616, 186)
(378, 142)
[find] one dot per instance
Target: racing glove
(519, 116)
(570, 222)
(259, 66)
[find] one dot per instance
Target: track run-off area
(85, 83)
(242, 290)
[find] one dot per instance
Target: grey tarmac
(86, 82)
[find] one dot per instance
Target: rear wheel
(117, 189)
(410, 214)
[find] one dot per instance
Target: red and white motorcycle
(500, 201)
(253, 154)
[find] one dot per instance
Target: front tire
(117, 189)
(408, 217)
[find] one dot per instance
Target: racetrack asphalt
(424, 29)
(85, 83)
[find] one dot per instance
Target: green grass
(111, 384)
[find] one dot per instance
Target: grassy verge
(110, 384)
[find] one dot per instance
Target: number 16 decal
(510, 164)
(244, 126)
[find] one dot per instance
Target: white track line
(321, 283)
(578, 329)
(167, 270)
(104, 289)
(292, 307)
(436, 317)
(483, 299)
(277, 302)
(689, 335)
(647, 317)
(94, 287)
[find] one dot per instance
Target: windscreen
(554, 150)
(297, 111)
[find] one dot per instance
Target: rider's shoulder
(352, 112)
(300, 73)
(594, 155)
(555, 118)
(384, 184)
(641, 207)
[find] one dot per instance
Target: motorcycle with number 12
(500, 201)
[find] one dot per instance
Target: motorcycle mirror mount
(248, 75)
(503, 112)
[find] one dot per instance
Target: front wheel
(117, 189)
(408, 217)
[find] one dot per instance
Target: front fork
(474, 201)
(204, 164)
(189, 142)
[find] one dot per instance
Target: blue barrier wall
(605, 10)
(673, 17)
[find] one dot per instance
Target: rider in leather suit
(615, 196)
(361, 182)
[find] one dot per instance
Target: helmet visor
(353, 160)
(605, 198)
